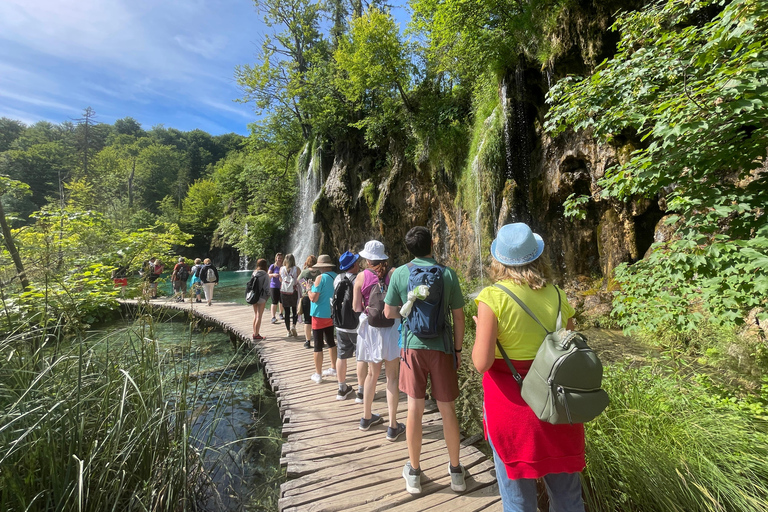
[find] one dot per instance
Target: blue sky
(167, 62)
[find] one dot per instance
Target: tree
(12, 187)
(374, 58)
(685, 96)
(10, 130)
(129, 126)
(279, 83)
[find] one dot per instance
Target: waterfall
(518, 144)
(477, 177)
(303, 240)
(245, 261)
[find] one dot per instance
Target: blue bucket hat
(516, 245)
(347, 259)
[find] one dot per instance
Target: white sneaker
(317, 378)
(330, 372)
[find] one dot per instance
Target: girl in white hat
(377, 337)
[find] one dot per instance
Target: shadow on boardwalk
(331, 464)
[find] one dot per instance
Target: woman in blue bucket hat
(524, 447)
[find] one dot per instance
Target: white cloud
(155, 60)
(207, 47)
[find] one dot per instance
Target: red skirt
(529, 447)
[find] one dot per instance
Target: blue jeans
(564, 490)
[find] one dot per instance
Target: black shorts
(275, 295)
(319, 334)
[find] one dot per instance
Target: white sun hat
(374, 251)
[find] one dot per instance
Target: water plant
(109, 423)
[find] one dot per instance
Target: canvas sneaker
(394, 432)
(307, 344)
(457, 479)
(412, 482)
(329, 372)
(344, 392)
(294, 333)
(358, 398)
(274, 320)
(317, 378)
(282, 317)
(375, 419)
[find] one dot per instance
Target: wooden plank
(330, 464)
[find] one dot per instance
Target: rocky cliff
(517, 172)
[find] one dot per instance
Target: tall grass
(665, 445)
(83, 431)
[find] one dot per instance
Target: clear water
(231, 287)
(237, 425)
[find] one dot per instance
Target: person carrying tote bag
(524, 447)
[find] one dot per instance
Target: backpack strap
(559, 321)
(515, 374)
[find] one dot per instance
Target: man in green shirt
(435, 356)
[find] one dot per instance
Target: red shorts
(321, 323)
(418, 364)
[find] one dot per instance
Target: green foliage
(258, 191)
(467, 37)
(667, 443)
(485, 161)
(688, 94)
(87, 429)
(69, 257)
(202, 207)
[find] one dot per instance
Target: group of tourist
(410, 319)
(204, 275)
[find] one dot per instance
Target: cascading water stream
(518, 143)
(303, 241)
(245, 261)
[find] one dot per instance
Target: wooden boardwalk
(331, 464)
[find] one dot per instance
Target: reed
(89, 430)
(665, 445)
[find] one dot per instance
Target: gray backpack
(563, 384)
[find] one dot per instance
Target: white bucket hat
(374, 251)
(516, 245)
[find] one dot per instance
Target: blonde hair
(198, 261)
(535, 274)
(289, 261)
(207, 261)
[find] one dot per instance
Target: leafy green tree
(10, 130)
(685, 94)
(279, 83)
(373, 57)
(375, 74)
(202, 208)
(44, 166)
(12, 187)
(466, 38)
(257, 192)
(129, 126)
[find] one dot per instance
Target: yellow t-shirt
(519, 334)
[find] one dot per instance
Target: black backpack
(342, 312)
(182, 273)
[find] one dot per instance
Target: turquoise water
(236, 422)
(231, 287)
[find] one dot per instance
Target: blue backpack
(427, 317)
